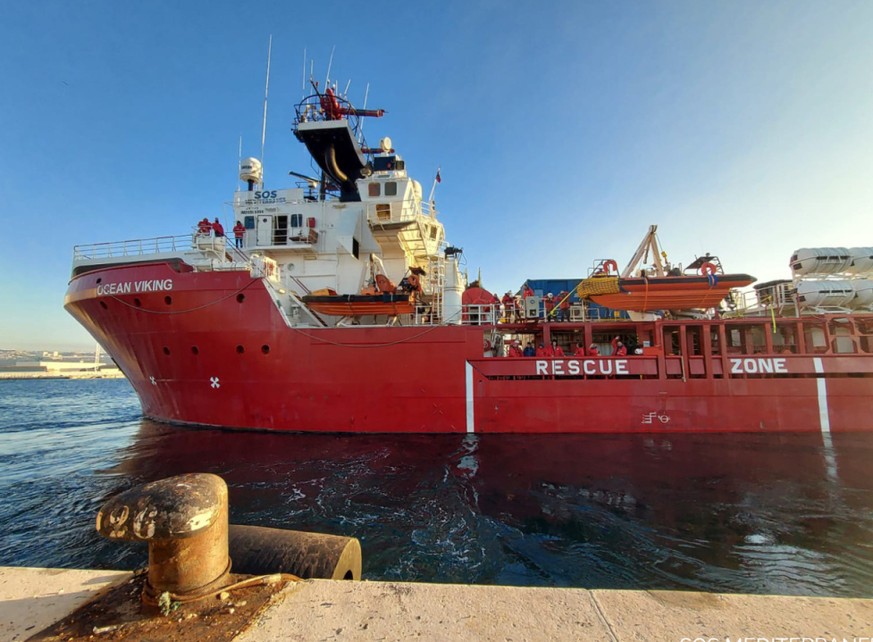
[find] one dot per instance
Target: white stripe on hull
(470, 426)
(824, 419)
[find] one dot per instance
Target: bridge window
(297, 220)
(391, 188)
(373, 189)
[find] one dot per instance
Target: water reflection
(759, 513)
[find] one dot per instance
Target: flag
(438, 179)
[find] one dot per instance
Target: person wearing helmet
(549, 306)
(618, 348)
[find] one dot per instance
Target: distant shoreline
(10, 376)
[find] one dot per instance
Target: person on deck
(529, 350)
(557, 351)
(593, 351)
(580, 350)
(217, 227)
(548, 306)
(563, 306)
(508, 306)
(239, 231)
(618, 348)
(541, 351)
(204, 227)
(515, 349)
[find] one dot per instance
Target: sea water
(758, 513)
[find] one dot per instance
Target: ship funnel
(251, 171)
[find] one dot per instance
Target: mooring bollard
(257, 550)
(184, 521)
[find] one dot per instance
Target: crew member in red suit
(239, 231)
(580, 350)
(563, 306)
(548, 305)
(204, 226)
(593, 351)
(618, 348)
(217, 227)
(557, 351)
(508, 305)
(543, 352)
(515, 349)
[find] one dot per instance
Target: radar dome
(250, 169)
(385, 144)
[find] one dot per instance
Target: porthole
(166, 351)
(265, 349)
(168, 300)
(195, 350)
(137, 302)
(100, 280)
(240, 298)
(103, 305)
(240, 349)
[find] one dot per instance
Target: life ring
(708, 269)
(606, 266)
(487, 345)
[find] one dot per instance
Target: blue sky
(563, 129)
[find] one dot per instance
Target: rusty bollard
(184, 521)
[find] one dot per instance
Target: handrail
(132, 247)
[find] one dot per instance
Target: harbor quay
(32, 599)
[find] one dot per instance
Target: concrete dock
(32, 599)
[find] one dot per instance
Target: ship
(338, 305)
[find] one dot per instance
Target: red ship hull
(211, 348)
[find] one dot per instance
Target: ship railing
(311, 109)
(781, 301)
(132, 247)
(480, 314)
(390, 213)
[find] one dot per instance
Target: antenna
(303, 77)
(348, 84)
(329, 65)
(266, 92)
(361, 121)
(239, 159)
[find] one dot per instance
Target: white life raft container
(849, 294)
(832, 260)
